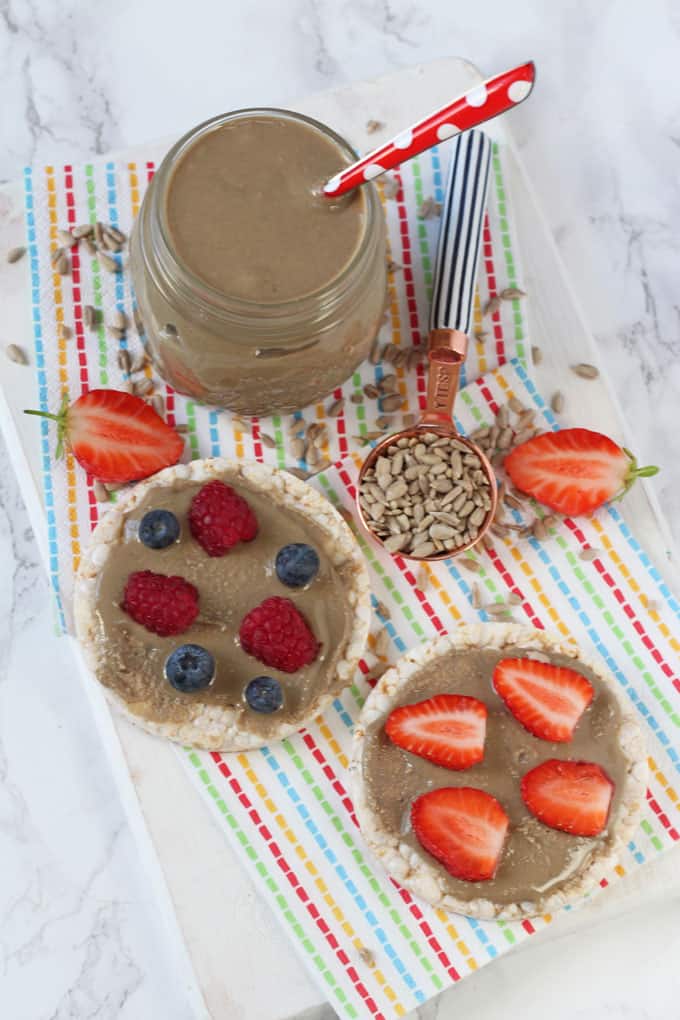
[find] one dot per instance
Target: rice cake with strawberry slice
(221, 604)
(538, 791)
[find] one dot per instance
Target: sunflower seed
(312, 456)
(409, 420)
(429, 209)
(14, 254)
(511, 293)
(557, 402)
(299, 473)
(298, 448)
(492, 305)
(143, 387)
(62, 264)
(510, 500)
(536, 355)
(393, 402)
(110, 243)
(123, 359)
(539, 530)
(589, 553)
(480, 335)
(516, 405)
(388, 384)
(82, 230)
(382, 423)
(356, 398)
(16, 354)
(585, 371)
(116, 234)
(90, 245)
(111, 265)
(371, 391)
(514, 598)
(382, 644)
(158, 404)
(475, 595)
(90, 317)
(65, 238)
(470, 564)
(321, 437)
(497, 609)
(100, 492)
(65, 332)
(393, 267)
(389, 352)
(503, 416)
(373, 125)
(423, 550)
(117, 334)
(114, 486)
(336, 407)
(396, 542)
(119, 319)
(268, 440)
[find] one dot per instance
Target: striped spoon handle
(461, 233)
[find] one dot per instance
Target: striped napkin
(372, 948)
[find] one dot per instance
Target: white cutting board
(216, 925)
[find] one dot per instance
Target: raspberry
(277, 634)
(219, 518)
(164, 605)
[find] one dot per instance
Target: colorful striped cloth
(373, 949)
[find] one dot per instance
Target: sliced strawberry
(573, 471)
(573, 796)
(464, 828)
(547, 700)
(448, 730)
(115, 436)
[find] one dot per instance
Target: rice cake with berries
(538, 866)
(206, 578)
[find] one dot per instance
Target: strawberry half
(115, 436)
(448, 730)
(573, 796)
(464, 828)
(547, 700)
(573, 471)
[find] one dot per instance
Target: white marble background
(79, 934)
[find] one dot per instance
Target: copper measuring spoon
(450, 319)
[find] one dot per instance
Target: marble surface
(80, 935)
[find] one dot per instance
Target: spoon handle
(461, 233)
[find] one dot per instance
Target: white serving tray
(216, 924)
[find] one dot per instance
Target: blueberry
(264, 694)
(158, 529)
(189, 668)
(297, 564)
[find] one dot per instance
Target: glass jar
(252, 357)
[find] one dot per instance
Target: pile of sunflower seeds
(426, 495)
(102, 240)
(498, 439)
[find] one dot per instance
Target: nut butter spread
(229, 587)
(245, 214)
(536, 859)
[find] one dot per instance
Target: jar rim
(232, 304)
